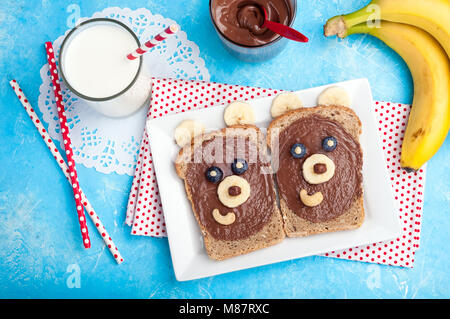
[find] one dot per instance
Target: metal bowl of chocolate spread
(238, 24)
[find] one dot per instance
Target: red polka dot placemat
(145, 213)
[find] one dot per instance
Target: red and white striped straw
(153, 42)
(67, 143)
(62, 164)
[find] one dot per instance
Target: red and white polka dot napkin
(408, 191)
(144, 211)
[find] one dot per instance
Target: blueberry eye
(298, 150)
(329, 144)
(239, 166)
(214, 174)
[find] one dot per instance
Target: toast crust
(291, 116)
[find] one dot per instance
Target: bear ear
(285, 102)
(239, 113)
(334, 95)
(187, 130)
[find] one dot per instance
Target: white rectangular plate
(189, 257)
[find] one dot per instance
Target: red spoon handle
(285, 31)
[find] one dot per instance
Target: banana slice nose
(311, 200)
(228, 192)
(318, 169)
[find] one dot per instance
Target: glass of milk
(94, 65)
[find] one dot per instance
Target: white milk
(95, 66)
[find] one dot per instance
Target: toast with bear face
(228, 180)
(319, 169)
(228, 175)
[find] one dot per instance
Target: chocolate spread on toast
(255, 212)
(341, 190)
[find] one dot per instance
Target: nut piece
(239, 113)
(186, 131)
(310, 174)
(334, 95)
(320, 168)
(233, 201)
(285, 102)
(311, 200)
(228, 219)
(234, 190)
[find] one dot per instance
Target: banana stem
(360, 28)
(360, 16)
(340, 25)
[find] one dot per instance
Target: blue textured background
(35, 256)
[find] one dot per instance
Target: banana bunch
(419, 31)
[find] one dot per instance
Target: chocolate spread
(254, 213)
(240, 20)
(341, 190)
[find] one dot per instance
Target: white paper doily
(111, 145)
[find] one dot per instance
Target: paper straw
(153, 42)
(62, 164)
(67, 144)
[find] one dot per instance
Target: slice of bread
(353, 216)
(269, 232)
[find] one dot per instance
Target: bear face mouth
(225, 220)
(312, 200)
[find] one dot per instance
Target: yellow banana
(429, 120)
(432, 16)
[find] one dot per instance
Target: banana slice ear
(187, 130)
(285, 102)
(239, 113)
(334, 95)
